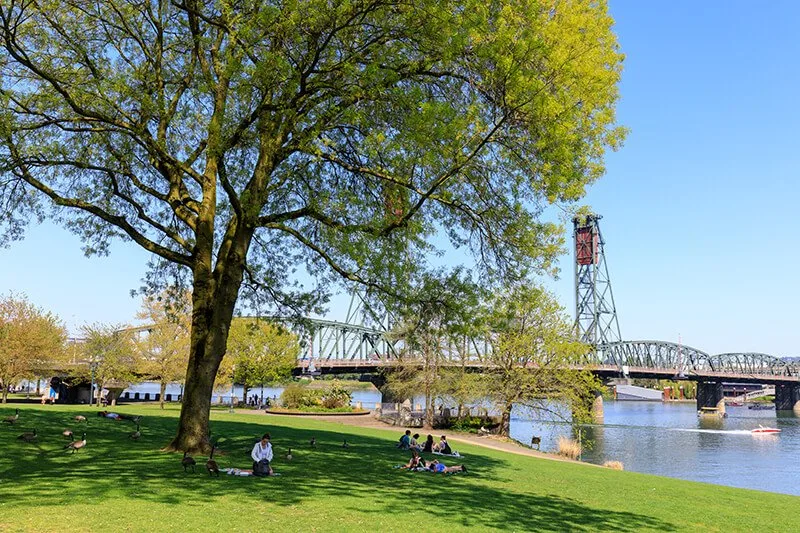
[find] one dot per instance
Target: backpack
(261, 468)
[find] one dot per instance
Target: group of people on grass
(410, 442)
(418, 463)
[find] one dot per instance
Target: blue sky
(698, 205)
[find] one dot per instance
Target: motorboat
(761, 430)
(761, 406)
(711, 412)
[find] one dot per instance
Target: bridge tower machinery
(595, 313)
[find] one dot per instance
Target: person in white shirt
(262, 451)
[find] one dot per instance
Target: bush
(335, 397)
(568, 447)
(470, 424)
(296, 397)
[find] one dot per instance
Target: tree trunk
(505, 421)
(113, 399)
(212, 312)
(5, 393)
(163, 391)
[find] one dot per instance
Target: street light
(93, 366)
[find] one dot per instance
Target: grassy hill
(117, 484)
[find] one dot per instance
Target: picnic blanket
(244, 472)
(454, 454)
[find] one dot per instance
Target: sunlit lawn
(120, 485)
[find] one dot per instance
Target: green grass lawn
(120, 485)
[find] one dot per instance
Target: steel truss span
(686, 360)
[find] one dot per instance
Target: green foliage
(332, 396)
(30, 338)
(259, 352)
(296, 397)
(110, 350)
(335, 396)
(533, 354)
(468, 424)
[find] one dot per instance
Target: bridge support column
(595, 405)
(787, 397)
(598, 414)
(709, 394)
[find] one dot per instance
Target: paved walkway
(491, 441)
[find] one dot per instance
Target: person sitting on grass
(415, 462)
(262, 455)
(443, 447)
(405, 440)
(439, 468)
(414, 445)
(429, 445)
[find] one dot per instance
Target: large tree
(235, 139)
(29, 337)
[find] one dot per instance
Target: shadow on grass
(357, 479)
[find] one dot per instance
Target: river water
(666, 439)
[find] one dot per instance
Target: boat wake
(717, 431)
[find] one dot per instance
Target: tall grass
(568, 448)
(614, 465)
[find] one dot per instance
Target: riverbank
(116, 483)
(488, 441)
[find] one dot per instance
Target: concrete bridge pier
(595, 405)
(787, 397)
(709, 394)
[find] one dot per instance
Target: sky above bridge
(697, 206)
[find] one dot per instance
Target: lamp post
(233, 385)
(93, 366)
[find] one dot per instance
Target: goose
(12, 419)
(76, 444)
(28, 436)
(136, 434)
(211, 464)
(313, 442)
(67, 433)
(289, 455)
(80, 418)
(345, 445)
(188, 461)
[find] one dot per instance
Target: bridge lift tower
(595, 312)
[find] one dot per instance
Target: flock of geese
(32, 436)
(187, 461)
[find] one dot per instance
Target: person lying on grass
(117, 416)
(415, 462)
(439, 468)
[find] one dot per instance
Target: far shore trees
(164, 349)
(29, 337)
(239, 141)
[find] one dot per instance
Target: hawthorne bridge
(331, 347)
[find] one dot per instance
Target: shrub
(295, 397)
(469, 424)
(335, 397)
(568, 447)
(614, 465)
